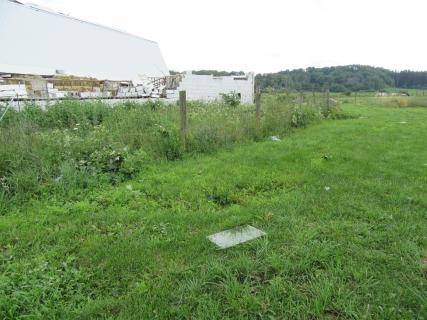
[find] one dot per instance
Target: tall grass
(73, 146)
(396, 101)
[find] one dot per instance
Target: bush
(303, 115)
(231, 99)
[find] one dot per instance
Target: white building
(210, 88)
(36, 40)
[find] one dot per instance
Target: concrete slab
(232, 237)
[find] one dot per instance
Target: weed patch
(77, 145)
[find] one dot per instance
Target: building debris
(52, 87)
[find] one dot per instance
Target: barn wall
(209, 88)
(40, 42)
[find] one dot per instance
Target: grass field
(343, 203)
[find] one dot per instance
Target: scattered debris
(333, 101)
(326, 157)
(232, 237)
(274, 138)
(327, 188)
(129, 187)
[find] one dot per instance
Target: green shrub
(303, 115)
(231, 99)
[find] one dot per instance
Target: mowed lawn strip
(343, 204)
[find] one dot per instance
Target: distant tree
(338, 79)
(411, 79)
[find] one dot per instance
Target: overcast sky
(268, 35)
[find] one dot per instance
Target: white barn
(36, 40)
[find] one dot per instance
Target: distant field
(343, 203)
(397, 101)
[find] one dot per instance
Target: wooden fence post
(258, 109)
(314, 95)
(327, 99)
(183, 118)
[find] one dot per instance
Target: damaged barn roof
(49, 10)
(73, 46)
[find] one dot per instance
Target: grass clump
(36, 288)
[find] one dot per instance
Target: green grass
(138, 249)
(74, 146)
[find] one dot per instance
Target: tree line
(342, 79)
